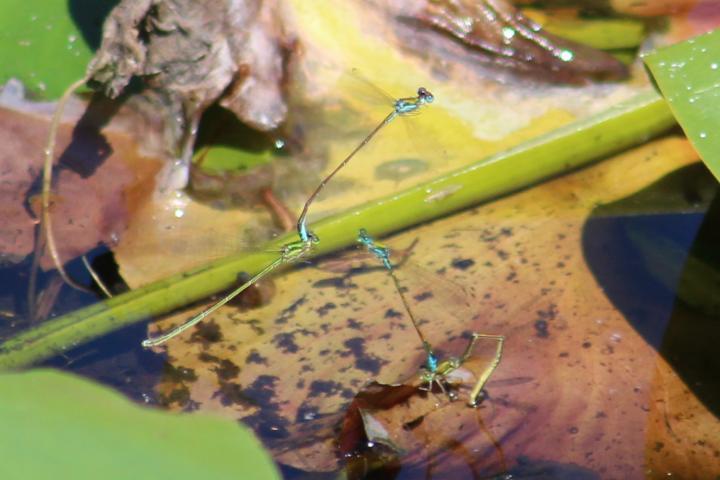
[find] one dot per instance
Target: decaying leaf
(495, 32)
(469, 121)
(193, 54)
(199, 53)
(429, 433)
(103, 174)
(576, 384)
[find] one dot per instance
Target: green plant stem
(628, 124)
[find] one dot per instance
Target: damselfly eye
(425, 95)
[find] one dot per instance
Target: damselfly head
(424, 95)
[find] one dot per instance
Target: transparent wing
(440, 305)
(369, 91)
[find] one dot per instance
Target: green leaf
(56, 425)
(47, 45)
(224, 143)
(688, 75)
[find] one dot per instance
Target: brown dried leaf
(494, 32)
(355, 426)
(202, 52)
(193, 54)
(198, 53)
(575, 381)
(390, 415)
(426, 430)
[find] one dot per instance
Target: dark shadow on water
(117, 359)
(89, 148)
(89, 16)
(656, 256)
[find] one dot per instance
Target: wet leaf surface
(576, 389)
(192, 55)
(235, 53)
(580, 382)
(291, 368)
(331, 115)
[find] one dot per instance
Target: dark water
(116, 360)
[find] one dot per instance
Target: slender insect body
(402, 106)
(445, 374)
(294, 251)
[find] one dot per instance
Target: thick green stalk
(628, 124)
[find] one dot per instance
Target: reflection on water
(400, 169)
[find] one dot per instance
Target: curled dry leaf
(495, 32)
(198, 53)
(103, 174)
(440, 436)
(193, 54)
(577, 385)
(233, 53)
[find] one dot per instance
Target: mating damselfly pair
(435, 372)
(294, 251)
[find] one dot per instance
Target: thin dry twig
(46, 223)
(283, 217)
(96, 277)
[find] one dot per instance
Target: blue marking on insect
(380, 252)
(401, 107)
(436, 372)
(306, 235)
(431, 363)
(411, 104)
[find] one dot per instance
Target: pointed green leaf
(688, 75)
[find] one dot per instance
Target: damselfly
(435, 371)
(402, 106)
(294, 251)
